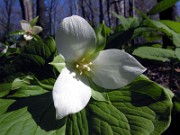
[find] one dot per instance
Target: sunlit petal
(75, 38)
(27, 37)
(114, 69)
(70, 94)
(36, 29)
(25, 25)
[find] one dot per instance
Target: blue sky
(178, 7)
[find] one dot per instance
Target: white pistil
(85, 66)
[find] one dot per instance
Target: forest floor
(167, 75)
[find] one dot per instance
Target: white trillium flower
(29, 30)
(3, 48)
(111, 69)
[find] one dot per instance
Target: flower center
(83, 66)
(29, 33)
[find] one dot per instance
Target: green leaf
(77, 124)
(107, 120)
(47, 84)
(124, 21)
(34, 21)
(13, 75)
(58, 63)
(168, 92)
(160, 26)
(101, 37)
(30, 116)
(142, 14)
(161, 6)
(45, 49)
(176, 106)
(35, 57)
(152, 53)
(177, 51)
(127, 23)
(18, 83)
(117, 40)
(175, 37)
(144, 99)
(5, 89)
(175, 26)
(99, 96)
(135, 109)
(5, 103)
(29, 86)
(140, 108)
(29, 90)
(37, 38)
(18, 32)
(31, 59)
(98, 93)
(150, 34)
(49, 81)
(49, 41)
(123, 33)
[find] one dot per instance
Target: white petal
(113, 69)
(3, 48)
(27, 37)
(75, 37)
(36, 29)
(70, 94)
(25, 25)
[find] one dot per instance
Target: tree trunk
(122, 7)
(70, 7)
(82, 8)
(117, 11)
(76, 7)
(51, 6)
(131, 8)
(108, 12)
(8, 10)
(26, 8)
(101, 14)
(41, 13)
(91, 13)
(22, 9)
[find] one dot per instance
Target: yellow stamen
(83, 66)
(88, 69)
(77, 66)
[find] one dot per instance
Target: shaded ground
(167, 74)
